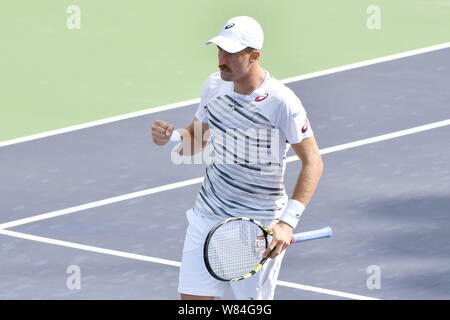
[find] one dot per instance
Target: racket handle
(312, 235)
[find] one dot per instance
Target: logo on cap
(228, 26)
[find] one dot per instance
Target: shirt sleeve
(294, 122)
(201, 114)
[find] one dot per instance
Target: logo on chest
(261, 98)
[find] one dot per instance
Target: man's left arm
(312, 168)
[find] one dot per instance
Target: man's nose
(223, 57)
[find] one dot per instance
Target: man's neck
(251, 82)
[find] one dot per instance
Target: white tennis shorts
(195, 279)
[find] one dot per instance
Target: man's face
(234, 66)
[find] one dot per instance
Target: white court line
(173, 263)
(195, 101)
(324, 291)
(73, 245)
(370, 62)
(193, 181)
(100, 203)
(380, 138)
(98, 122)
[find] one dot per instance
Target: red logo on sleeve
(305, 126)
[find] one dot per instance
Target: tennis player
(250, 120)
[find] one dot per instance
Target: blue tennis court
(106, 200)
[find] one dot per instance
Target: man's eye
(220, 50)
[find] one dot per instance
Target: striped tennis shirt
(250, 136)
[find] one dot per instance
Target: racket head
(233, 248)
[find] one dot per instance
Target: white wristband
(175, 139)
(292, 213)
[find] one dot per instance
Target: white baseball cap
(239, 33)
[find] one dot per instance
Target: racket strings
(235, 249)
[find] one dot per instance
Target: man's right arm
(194, 137)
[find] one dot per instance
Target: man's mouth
(224, 67)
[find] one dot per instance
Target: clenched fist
(161, 132)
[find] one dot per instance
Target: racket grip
(312, 235)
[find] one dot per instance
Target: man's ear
(254, 55)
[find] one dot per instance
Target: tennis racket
(234, 247)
